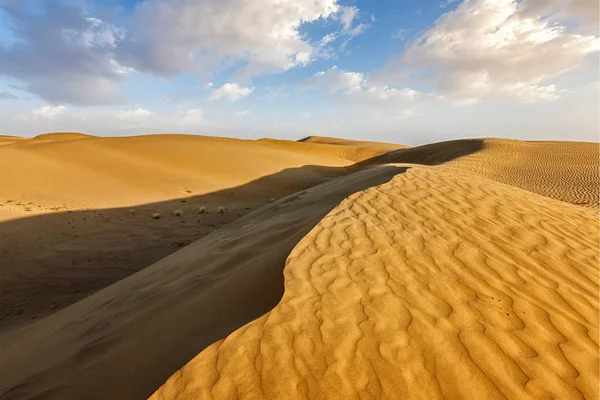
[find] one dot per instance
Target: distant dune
(110, 172)
(77, 209)
(464, 269)
(4, 139)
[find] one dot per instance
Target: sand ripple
(438, 284)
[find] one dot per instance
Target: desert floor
(322, 269)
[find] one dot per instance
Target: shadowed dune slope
(438, 284)
(124, 341)
(76, 210)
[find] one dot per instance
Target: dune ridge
(438, 284)
(76, 210)
(398, 280)
(125, 340)
(445, 282)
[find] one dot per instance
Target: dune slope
(76, 210)
(438, 284)
(124, 341)
(444, 274)
(443, 283)
(76, 171)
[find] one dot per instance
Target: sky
(403, 71)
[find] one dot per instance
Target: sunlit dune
(441, 283)
(463, 269)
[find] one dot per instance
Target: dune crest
(438, 271)
(438, 284)
(127, 339)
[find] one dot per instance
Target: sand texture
(438, 284)
(464, 269)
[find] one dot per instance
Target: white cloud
(65, 55)
(97, 34)
(348, 17)
(489, 49)
(137, 114)
(48, 112)
(400, 33)
(375, 102)
(195, 115)
(355, 84)
(230, 91)
(175, 36)
(335, 80)
(348, 29)
(242, 113)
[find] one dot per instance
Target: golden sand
(77, 209)
(466, 269)
(441, 283)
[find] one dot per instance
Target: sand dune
(4, 139)
(566, 171)
(77, 210)
(124, 341)
(451, 270)
(94, 172)
(438, 284)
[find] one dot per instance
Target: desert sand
(464, 269)
(76, 210)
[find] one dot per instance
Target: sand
(438, 284)
(76, 210)
(466, 269)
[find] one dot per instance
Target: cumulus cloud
(65, 55)
(193, 116)
(231, 91)
(356, 85)
(353, 89)
(48, 112)
(336, 80)
(175, 36)
(137, 114)
(61, 55)
(492, 49)
(97, 33)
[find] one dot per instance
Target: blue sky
(402, 71)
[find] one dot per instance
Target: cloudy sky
(406, 71)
